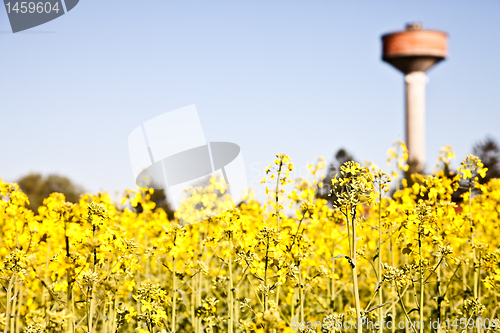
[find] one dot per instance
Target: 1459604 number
(32, 7)
(470, 323)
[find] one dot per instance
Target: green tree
(160, 198)
(341, 156)
(38, 187)
(489, 153)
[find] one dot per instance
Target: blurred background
(300, 77)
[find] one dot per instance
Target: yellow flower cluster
(378, 248)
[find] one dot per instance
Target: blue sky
(300, 77)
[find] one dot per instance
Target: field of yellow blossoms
(381, 254)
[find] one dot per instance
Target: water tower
(413, 52)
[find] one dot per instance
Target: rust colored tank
(415, 49)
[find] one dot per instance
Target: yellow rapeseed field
(381, 255)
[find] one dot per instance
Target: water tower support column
(415, 117)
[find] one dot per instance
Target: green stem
(474, 255)
(230, 290)
(379, 278)
(421, 305)
(301, 295)
(90, 312)
(355, 272)
(404, 310)
(278, 221)
(70, 321)
(265, 273)
(173, 293)
(20, 304)
(12, 320)
(393, 313)
(332, 294)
